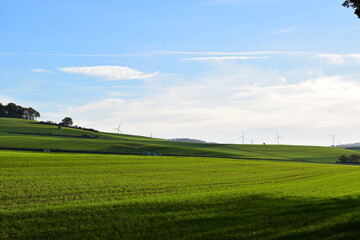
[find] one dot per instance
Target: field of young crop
(89, 196)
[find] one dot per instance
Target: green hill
(31, 135)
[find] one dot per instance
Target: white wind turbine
(118, 128)
(278, 138)
(243, 138)
(333, 138)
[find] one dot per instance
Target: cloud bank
(219, 108)
(340, 59)
(109, 72)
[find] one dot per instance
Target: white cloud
(285, 30)
(109, 72)
(282, 79)
(218, 108)
(40, 70)
(5, 99)
(222, 58)
(340, 59)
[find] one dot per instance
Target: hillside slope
(30, 135)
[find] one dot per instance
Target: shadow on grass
(251, 217)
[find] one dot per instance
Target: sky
(205, 69)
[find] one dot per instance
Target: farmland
(95, 185)
(22, 134)
(94, 196)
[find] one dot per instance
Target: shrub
(353, 158)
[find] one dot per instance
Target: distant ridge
(349, 145)
(187, 140)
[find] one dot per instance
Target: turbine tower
(118, 128)
(333, 139)
(243, 138)
(278, 138)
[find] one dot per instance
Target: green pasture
(29, 135)
(93, 196)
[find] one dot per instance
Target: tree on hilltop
(2, 111)
(31, 113)
(67, 121)
(11, 110)
(353, 4)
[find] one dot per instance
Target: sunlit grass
(84, 196)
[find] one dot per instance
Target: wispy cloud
(285, 30)
(340, 59)
(39, 70)
(223, 58)
(109, 72)
(74, 54)
(234, 53)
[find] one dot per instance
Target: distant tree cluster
(354, 158)
(11, 110)
(353, 4)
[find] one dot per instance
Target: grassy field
(93, 196)
(29, 135)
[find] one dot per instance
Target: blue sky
(206, 69)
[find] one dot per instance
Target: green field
(96, 185)
(93, 196)
(29, 135)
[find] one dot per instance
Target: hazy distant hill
(349, 145)
(188, 140)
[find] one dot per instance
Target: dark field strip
(59, 135)
(88, 196)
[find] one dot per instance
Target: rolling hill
(19, 134)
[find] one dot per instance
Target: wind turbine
(243, 138)
(333, 139)
(278, 138)
(118, 128)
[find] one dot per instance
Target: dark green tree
(2, 111)
(353, 4)
(31, 113)
(11, 109)
(343, 159)
(67, 121)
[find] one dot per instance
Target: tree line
(353, 158)
(11, 110)
(68, 122)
